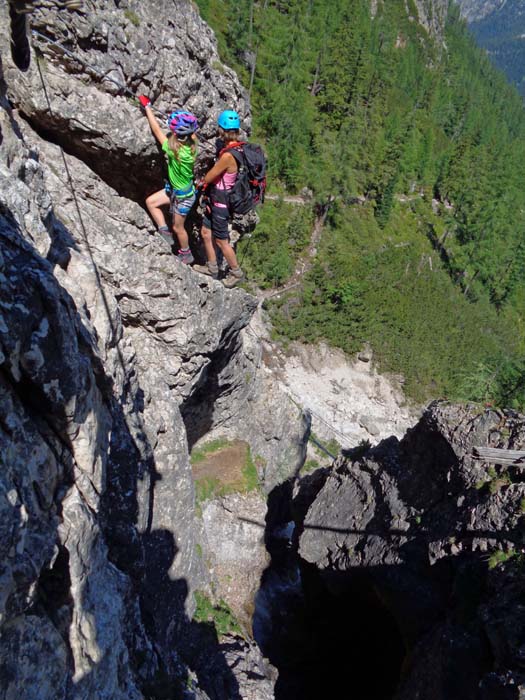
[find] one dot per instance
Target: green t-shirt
(180, 171)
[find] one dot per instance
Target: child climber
(220, 179)
(181, 150)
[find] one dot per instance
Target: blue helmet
(182, 123)
(229, 120)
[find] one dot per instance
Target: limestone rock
(33, 660)
(422, 518)
(114, 358)
(116, 51)
(234, 527)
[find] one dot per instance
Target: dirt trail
(348, 399)
(306, 260)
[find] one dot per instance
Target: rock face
(476, 10)
(235, 529)
(424, 524)
(84, 99)
(432, 15)
(114, 360)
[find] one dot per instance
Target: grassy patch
(132, 17)
(219, 615)
(500, 557)
(331, 446)
(249, 472)
(310, 466)
(221, 467)
(208, 488)
(199, 454)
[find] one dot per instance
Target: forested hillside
(414, 150)
(500, 29)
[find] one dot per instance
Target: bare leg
(154, 203)
(180, 231)
(228, 252)
(208, 245)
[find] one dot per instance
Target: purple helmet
(182, 123)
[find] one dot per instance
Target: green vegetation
(249, 473)
(359, 451)
(310, 466)
(501, 33)
(495, 481)
(199, 454)
(282, 235)
(222, 480)
(500, 557)
(331, 446)
(497, 484)
(418, 152)
(219, 615)
(132, 17)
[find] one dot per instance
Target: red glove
(144, 101)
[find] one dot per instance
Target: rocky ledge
(115, 359)
(437, 536)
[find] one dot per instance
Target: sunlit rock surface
(114, 360)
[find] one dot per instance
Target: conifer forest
(413, 148)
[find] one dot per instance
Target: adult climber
(218, 181)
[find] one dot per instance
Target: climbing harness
(99, 75)
(178, 193)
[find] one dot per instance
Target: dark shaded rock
(420, 520)
(105, 343)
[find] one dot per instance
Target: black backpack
(250, 185)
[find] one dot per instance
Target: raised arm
(152, 121)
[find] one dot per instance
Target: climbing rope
(146, 451)
(99, 75)
(129, 92)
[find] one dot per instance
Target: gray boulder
(439, 535)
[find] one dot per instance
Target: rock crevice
(114, 359)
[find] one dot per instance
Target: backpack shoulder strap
(235, 147)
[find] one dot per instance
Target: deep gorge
(395, 573)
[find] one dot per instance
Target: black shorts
(217, 219)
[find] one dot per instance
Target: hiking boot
(166, 236)
(233, 278)
(185, 257)
(210, 269)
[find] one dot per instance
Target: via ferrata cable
(100, 75)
